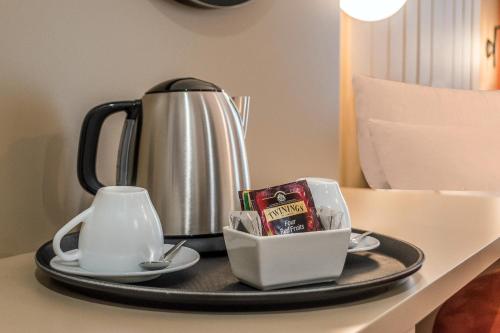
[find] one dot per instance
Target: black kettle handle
(89, 139)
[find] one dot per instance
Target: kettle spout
(242, 104)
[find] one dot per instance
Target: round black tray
(210, 285)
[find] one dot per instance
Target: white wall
(428, 42)
(59, 58)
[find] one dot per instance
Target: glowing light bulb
(371, 10)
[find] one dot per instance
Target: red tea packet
(286, 209)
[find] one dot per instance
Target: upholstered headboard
(411, 136)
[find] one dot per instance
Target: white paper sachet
(246, 221)
(330, 218)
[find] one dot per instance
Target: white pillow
(437, 157)
(413, 104)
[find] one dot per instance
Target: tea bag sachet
(330, 218)
(283, 209)
(246, 221)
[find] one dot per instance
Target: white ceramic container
(272, 262)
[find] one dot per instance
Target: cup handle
(56, 243)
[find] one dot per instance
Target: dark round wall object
(213, 3)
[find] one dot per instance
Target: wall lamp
(371, 10)
(491, 46)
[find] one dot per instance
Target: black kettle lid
(183, 84)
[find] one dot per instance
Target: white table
(459, 235)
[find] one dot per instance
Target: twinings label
(280, 212)
(283, 209)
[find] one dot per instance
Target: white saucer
(186, 257)
(366, 244)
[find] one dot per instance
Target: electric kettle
(183, 142)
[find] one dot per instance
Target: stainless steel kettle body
(184, 143)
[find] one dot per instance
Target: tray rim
(86, 282)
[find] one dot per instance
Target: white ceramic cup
(120, 230)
